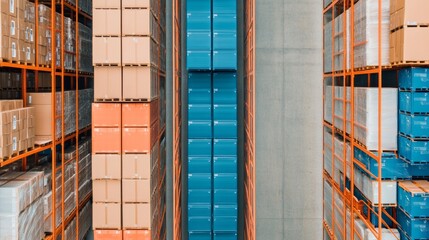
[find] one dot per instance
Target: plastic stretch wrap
(388, 190)
(366, 117)
(85, 220)
(341, 51)
(70, 231)
(366, 33)
(85, 48)
(85, 100)
(327, 146)
(327, 42)
(328, 203)
(328, 104)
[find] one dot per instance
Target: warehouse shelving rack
(249, 121)
(75, 80)
(177, 119)
(351, 77)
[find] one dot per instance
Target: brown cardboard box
(106, 166)
(136, 216)
(4, 6)
(106, 4)
(13, 27)
(6, 105)
(5, 30)
(106, 140)
(136, 190)
(42, 112)
(15, 120)
(136, 22)
(106, 216)
(14, 49)
(106, 191)
(106, 115)
(5, 139)
(30, 117)
(107, 82)
(4, 48)
(139, 83)
(136, 3)
(107, 22)
(137, 50)
(139, 114)
(106, 50)
(413, 12)
(18, 103)
(412, 44)
(13, 8)
(136, 166)
(5, 151)
(15, 140)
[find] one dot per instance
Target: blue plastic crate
(200, 211)
(200, 236)
(199, 41)
(386, 218)
(413, 200)
(198, 6)
(197, 96)
(198, 21)
(225, 60)
(225, 181)
(199, 112)
(414, 78)
(199, 147)
(202, 81)
(225, 197)
(224, 96)
(392, 167)
(199, 224)
(225, 236)
(420, 170)
(414, 126)
(224, 41)
(225, 80)
(225, 112)
(225, 129)
(224, 147)
(224, 22)
(224, 6)
(225, 224)
(196, 196)
(225, 165)
(413, 151)
(199, 181)
(200, 129)
(225, 211)
(199, 60)
(414, 102)
(415, 228)
(199, 165)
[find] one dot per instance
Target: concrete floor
(289, 119)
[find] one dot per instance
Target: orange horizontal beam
(26, 154)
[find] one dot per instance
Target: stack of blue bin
(413, 142)
(212, 119)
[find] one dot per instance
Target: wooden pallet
(410, 63)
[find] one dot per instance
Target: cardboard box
(13, 7)
(106, 140)
(106, 4)
(136, 166)
(107, 82)
(106, 166)
(136, 191)
(13, 52)
(106, 216)
(136, 4)
(107, 50)
(106, 191)
(136, 216)
(106, 115)
(139, 140)
(139, 114)
(411, 44)
(412, 12)
(137, 235)
(107, 235)
(140, 83)
(138, 51)
(136, 22)
(107, 22)
(42, 104)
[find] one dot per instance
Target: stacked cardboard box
(17, 127)
(21, 209)
(409, 32)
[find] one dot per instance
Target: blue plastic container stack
(413, 209)
(212, 119)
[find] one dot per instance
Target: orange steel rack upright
(75, 80)
(177, 120)
(249, 121)
(342, 78)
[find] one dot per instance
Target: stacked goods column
(129, 68)
(212, 119)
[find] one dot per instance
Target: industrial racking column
(129, 59)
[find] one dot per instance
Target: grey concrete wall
(289, 119)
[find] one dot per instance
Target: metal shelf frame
(348, 78)
(71, 77)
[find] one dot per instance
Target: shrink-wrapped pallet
(327, 46)
(366, 116)
(328, 104)
(341, 45)
(366, 33)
